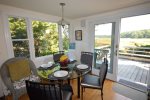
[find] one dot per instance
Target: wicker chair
(5, 75)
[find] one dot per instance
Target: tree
(45, 37)
(18, 30)
(65, 37)
(136, 34)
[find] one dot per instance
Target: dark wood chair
(48, 91)
(57, 55)
(87, 58)
(95, 82)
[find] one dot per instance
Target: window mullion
(19, 36)
(20, 39)
(60, 38)
(31, 39)
(8, 37)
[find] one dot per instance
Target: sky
(103, 29)
(135, 23)
(127, 24)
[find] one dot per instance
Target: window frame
(30, 37)
(9, 40)
(33, 35)
(61, 32)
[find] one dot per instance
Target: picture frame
(72, 45)
(78, 35)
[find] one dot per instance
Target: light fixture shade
(63, 22)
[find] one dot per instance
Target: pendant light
(63, 22)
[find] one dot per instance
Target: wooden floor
(90, 94)
(133, 70)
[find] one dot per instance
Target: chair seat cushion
(21, 83)
(91, 81)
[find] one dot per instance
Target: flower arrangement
(64, 60)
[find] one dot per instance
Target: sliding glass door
(106, 46)
(134, 50)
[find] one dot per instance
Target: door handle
(117, 50)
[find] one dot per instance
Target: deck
(133, 70)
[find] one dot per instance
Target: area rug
(133, 85)
(129, 92)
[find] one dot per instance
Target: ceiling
(74, 8)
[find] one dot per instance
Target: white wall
(3, 48)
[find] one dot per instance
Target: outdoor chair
(15, 71)
(101, 55)
(95, 82)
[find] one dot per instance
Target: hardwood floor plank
(90, 94)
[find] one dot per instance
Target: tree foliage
(45, 38)
(65, 37)
(136, 34)
(18, 30)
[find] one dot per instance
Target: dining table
(74, 72)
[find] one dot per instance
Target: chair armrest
(8, 83)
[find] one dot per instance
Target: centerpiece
(64, 61)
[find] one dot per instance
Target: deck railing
(134, 53)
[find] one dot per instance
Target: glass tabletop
(73, 72)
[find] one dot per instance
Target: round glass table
(73, 73)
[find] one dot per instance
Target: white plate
(50, 63)
(46, 65)
(61, 73)
(82, 66)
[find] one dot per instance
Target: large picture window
(19, 36)
(45, 38)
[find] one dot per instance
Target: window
(19, 36)
(65, 37)
(45, 38)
